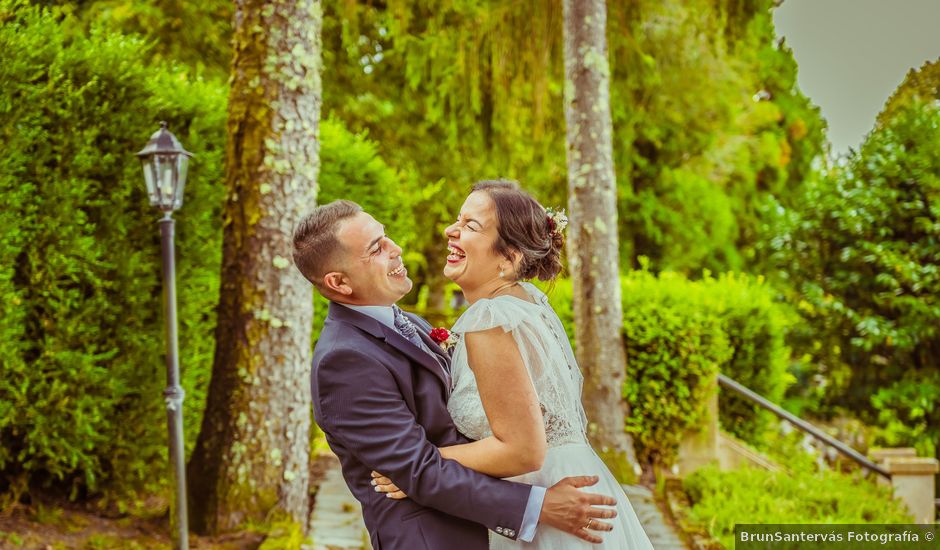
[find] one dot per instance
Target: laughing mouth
(397, 271)
(456, 254)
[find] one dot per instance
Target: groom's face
(372, 264)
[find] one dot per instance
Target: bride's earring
(501, 274)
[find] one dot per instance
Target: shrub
(81, 346)
(678, 334)
(756, 325)
(863, 257)
(80, 335)
(673, 355)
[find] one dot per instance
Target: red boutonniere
(444, 338)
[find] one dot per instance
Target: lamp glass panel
(150, 178)
(182, 166)
(167, 172)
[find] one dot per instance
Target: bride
(516, 385)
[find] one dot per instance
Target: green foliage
(351, 168)
(673, 355)
(757, 325)
(81, 347)
(697, 158)
(283, 534)
(920, 85)
(678, 334)
(722, 499)
(12, 538)
(197, 34)
(863, 254)
(81, 331)
(709, 126)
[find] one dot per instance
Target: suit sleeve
(363, 408)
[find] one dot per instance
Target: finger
(381, 481)
(600, 500)
(386, 488)
(581, 481)
(603, 513)
(586, 535)
(376, 474)
(397, 495)
(601, 526)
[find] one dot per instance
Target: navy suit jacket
(382, 403)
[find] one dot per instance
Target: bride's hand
(383, 484)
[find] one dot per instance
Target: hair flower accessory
(557, 220)
(444, 338)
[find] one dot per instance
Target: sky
(852, 54)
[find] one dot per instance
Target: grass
(722, 499)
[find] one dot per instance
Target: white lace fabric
(546, 353)
(548, 357)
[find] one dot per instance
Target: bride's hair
(524, 226)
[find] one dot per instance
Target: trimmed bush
(81, 335)
(756, 325)
(678, 334)
(673, 354)
(81, 327)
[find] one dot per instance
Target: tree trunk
(251, 460)
(593, 253)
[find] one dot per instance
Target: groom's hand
(577, 512)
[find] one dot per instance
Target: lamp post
(165, 162)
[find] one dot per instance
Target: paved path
(337, 518)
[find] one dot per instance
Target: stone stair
(661, 533)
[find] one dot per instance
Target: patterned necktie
(408, 329)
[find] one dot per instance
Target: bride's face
(472, 261)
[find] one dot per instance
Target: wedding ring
(589, 523)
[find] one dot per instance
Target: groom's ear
(337, 283)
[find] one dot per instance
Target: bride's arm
(517, 445)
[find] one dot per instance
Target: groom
(380, 387)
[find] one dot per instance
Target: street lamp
(165, 161)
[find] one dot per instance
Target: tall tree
(593, 237)
(251, 458)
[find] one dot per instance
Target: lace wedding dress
(557, 380)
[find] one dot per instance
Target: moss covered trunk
(251, 457)
(593, 253)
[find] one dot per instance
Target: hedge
(81, 327)
(678, 334)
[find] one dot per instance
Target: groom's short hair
(315, 241)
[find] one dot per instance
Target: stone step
(661, 533)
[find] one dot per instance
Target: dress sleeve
(489, 313)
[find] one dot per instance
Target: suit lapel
(431, 344)
(392, 338)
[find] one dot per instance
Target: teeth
(397, 270)
(455, 252)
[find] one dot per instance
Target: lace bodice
(547, 355)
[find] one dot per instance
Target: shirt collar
(382, 314)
